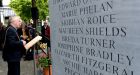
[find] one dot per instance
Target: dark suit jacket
(14, 48)
(46, 32)
(45, 35)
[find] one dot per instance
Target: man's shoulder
(10, 28)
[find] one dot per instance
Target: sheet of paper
(32, 42)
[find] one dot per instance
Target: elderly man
(45, 30)
(13, 47)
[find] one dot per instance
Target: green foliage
(43, 8)
(43, 62)
(23, 8)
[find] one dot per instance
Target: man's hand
(24, 42)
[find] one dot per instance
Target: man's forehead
(15, 19)
(45, 22)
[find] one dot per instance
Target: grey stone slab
(95, 37)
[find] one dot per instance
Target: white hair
(13, 18)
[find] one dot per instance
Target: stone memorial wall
(95, 37)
